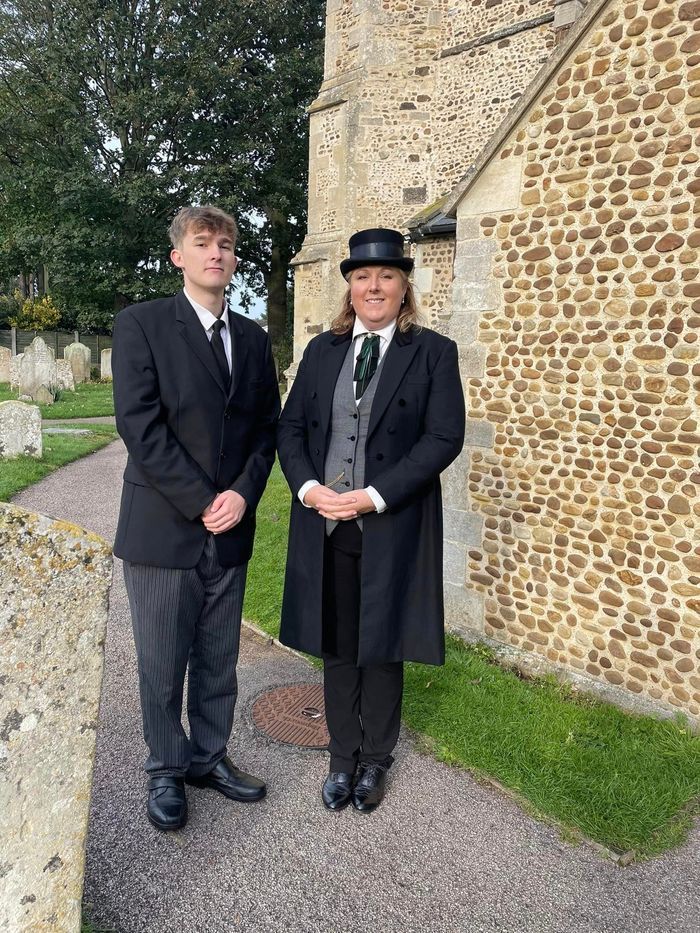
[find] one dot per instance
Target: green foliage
(37, 314)
(114, 115)
(10, 307)
(629, 782)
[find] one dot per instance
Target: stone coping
(54, 581)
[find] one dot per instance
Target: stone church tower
(544, 157)
(412, 90)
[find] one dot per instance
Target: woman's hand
(363, 502)
(339, 507)
(330, 504)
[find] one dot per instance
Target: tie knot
(218, 326)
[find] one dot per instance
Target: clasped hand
(338, 506)
(227, 509)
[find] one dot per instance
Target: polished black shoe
(231, 782)
(368, 791)
(337, 790)
(167, 803)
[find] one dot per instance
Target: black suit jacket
(188, 437)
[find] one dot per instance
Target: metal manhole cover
(295, 715)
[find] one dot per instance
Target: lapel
(401, 351)
(329, 367)
(192, 332)
(239, 350)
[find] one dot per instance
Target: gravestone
(5, 357)
(54, 579)
(42, 396)
(15, 364)
(80, 358)
(106, 364)
(20, 430)
(64, 375)
(37, 370)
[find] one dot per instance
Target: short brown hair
(409, 315)
(198, 219)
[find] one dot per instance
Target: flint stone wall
(20, 430)
(54, 579)
(577, 313)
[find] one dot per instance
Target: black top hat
(376, 247)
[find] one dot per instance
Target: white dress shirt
(359, 332)
(207, 320)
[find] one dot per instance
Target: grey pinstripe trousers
(186, 621)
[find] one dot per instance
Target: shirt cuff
(379, 503)
(309, 484)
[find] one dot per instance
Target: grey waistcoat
(349, 424)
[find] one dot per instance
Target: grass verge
(627, 782)
(59, 449)
(89, 400)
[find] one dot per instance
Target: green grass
(58, 449)
(89, 400)
(263, 596)
(627, 782)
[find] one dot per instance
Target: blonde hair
(198, 219)
(409, 316)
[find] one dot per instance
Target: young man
(197, 403)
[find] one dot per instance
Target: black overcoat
(189, 437)
(416, 429)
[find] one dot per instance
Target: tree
(37, 314)
(115, 113)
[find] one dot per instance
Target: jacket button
(402, 402)
(227, 414)
(380, 456)
(313, 395)
(222, 456)
(391, 430)
(317, 451)
(314, 424)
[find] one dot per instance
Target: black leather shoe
(368, 791)
(231, 782)
(337, 790)
(167, 803)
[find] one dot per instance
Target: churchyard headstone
(64, 375)
(20, 430)
(54, 579)
(80, 359)
(106, 364)
(15, 365)
(5, 357)
(38, 369)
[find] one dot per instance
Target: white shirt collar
(204, 314)
(386, 333)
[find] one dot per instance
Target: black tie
(217, 345)
(367, 363)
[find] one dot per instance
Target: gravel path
(443, 853)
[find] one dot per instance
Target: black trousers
(363, 704)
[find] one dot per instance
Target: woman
(375, 414)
